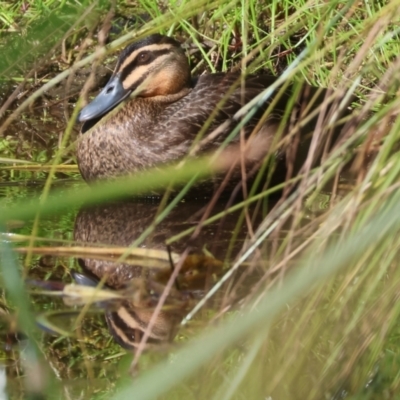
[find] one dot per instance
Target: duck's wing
(212, 104)
(215, 100)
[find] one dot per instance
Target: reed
(321, 321)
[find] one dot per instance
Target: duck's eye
(144, 57)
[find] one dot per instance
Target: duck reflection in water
(120, 224)
(130, 316)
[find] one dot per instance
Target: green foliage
(321, 322)
(48, 22)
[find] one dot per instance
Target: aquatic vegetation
(304, 300)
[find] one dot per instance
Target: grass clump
(320, 319)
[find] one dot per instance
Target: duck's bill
(111, 95)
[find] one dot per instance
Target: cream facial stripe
(139, 74)
(120, 334)
(150, 47)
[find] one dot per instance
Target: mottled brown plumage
(167, 109)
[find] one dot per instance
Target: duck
(152, 111)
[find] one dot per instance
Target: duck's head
(154, 66)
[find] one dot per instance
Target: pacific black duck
(166, 109)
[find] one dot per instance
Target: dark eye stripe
(129, 334)
(136, 61)
(138, 82)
